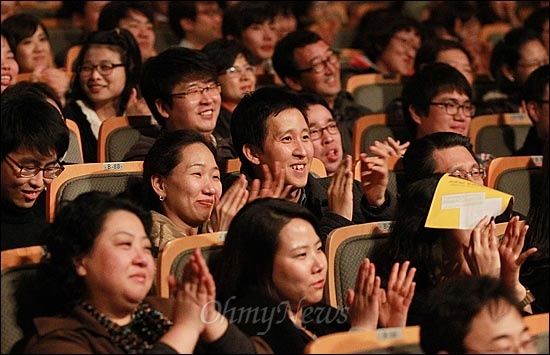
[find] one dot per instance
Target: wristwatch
(528, 299)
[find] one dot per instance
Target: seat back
(74, 153)
(79, 178)
(318, 168)
(374, 90)
(21, 256)
(520, 176)
(12, 329)
(403, 340)
(538, 327)
(372, 127)
(345, 248)
(174, 255)
(70, 57)
(396, 174)
(499, 134)
(117, 135)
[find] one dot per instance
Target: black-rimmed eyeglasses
(102, 68)
(317, 133)
(49, 172)
(452, 108)
(319, 66)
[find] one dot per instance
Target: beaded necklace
(146, 328)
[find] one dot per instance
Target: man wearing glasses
(180, 86)
(437, 98)
(305, 62)
(34, 138)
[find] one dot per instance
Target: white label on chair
(537, 159)
(113, 166)
(389, 333)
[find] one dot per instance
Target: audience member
(83, 15)
(10, 68)
(195, 23)
(437, 98)
(535, 104)
(235, 66)
(33, 52)
(446, 51)
(180, 86)
(442, 152)
(106, 85)
(535, 271)
(305, 62)
(476, 314)
(458, 21)
(270, 131)
(138, 17)
(285, 17)
(252, 23)
(273, 262)
(95, 285)
(182, 187)
(445, 152)
(34, 139)
(326, 18)
(324, 132)
(538, 22)
(514, 57)
(43, 90)
(441, 254)
(389, 42)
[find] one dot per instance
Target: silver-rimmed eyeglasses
(196, 92)
(49, 172)
(465, 174)
(236, 70)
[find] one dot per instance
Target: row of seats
(345, 248)
(497, 134)
(404, 340)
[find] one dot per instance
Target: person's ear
(532, 110)
(507, 72)
(162, 108)
(187, 24)
(158, 185)
(252, 153)
(293, 84)
(415, 116)
(79, 266)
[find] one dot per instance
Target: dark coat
(316, 200)
(80, 333)
(267, 319)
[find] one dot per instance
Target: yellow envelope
(461, 204)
